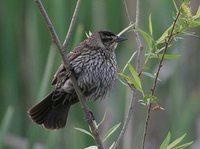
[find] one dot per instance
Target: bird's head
(106, 39)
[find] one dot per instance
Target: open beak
(120, 39)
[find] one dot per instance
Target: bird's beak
(120, 39)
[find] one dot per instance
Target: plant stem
(138, 69)
(72, 25)
(167, 42)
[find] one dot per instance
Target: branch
(61, 48)
(72, 24)
(167, 42)
(138, 69)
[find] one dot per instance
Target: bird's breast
(96, 73)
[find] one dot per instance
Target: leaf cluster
(155, 47)
(106, 136)
(174, 144)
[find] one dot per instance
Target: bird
(93, 63)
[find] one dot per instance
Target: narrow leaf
(177, 141)
(127, 78)
(131, 81)
(150, 75)
(197, 13)
(164, 36)
(183, 145)
(120, 80)
(126, 29)
(111, 131)
(88, 34)
(169, 56)
(104, 116)
(166, 141)
(84, 131)
(134, 74)
(175, 6)
(195, 23)
(190, 34)
(112, 145)
(166, 56)
(150, 25)
(149, 40)
(130, 59)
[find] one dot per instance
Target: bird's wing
(72, 55)
(77, 51)
(61, 69)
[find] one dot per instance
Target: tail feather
(51, 116)
(57, 117)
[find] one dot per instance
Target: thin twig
(167, 42)
(63, 54)
(72, 24)
(138, 69)
(127, 12)
(50, 26)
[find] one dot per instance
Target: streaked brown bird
(93, 62)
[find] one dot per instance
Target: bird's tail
(52, 111)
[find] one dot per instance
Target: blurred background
(29, 60)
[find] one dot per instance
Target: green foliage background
(28, 62)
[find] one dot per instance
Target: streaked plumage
(94, 64)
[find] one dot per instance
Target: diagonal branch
(138, 69)
(167, 42)
(50, 26)
(72, 25)
(61, 48)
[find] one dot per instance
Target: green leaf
(166, 56)
(175, 6)
(112, 145)
(127, 78)
(104, 116)
(131, 81)
(195, 23)
(88, 34)
(190, 34)
(150, 25)
(197, 15)
(111, 131)
(164, 36)
(126, 29)
(150, 99)
(166, 141)
(187, 9)
(177, 141)
(183, 145)
(134, 74)
(130, 59)
(149, 40)
(150, 75)
(120, 80)
(84, 131)
(184, 23)
(169, 56)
